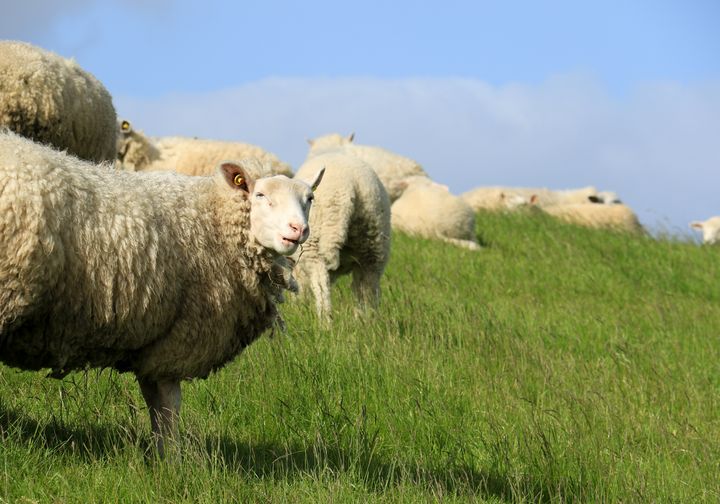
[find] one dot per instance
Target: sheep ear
(534, 199)
(696, 225)
(316, 180)
(351, 137)
(595, 199)
(237, 177)
(310, 141)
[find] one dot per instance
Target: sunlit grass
(557, 364)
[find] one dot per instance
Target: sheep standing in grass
(191, 156)
(52, 100)
(390, 167)
(428, 209)
(616, 216)
(163, 275)
(351, 231)
(710, 229)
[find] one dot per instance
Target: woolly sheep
(52, 100)
(160, 274)
(428, 209)
(390, 167)
(710, 229)
(617, 216)
(497, 199)
(191, 156)
(487, 197)
(351, 231)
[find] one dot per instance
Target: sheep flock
(166, 256)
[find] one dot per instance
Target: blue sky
(623, 95)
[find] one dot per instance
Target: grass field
(558, 364)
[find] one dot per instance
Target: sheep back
(52, 100)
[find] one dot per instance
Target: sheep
(710, 229)
(616, 216)
(428, 209)
(191, 156)
(497, 199)
(52, 100)
(159, 274)
(490, 198)
(351, 223)
(390, 167)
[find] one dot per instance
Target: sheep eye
(259, 195)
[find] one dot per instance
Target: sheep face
(710, 230)
(279, 207)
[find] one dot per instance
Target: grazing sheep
(428, 209)
(497, 199)
(489, 197)
(351, 231)
(52, 100)
(710, 229)
(191, 156)
(617, 216)
(390, 167)
(160, 274)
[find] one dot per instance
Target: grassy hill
(558, 364)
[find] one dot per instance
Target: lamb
(159, 274)
(616, 216)
(390, 167)
(490, 198)
(428, 209)
(191, 156)
(351, 223)
(52, 100)
(710, 229)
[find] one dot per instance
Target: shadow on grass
(271, 460)
(281, 462)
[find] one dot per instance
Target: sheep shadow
(91, 442)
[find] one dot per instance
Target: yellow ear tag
(125, 126)
(239, 180)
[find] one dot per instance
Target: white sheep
(190, 156)
(497, 199)
(428, 209)
(351, 231)
(52, 100)
(616, 216)
(160, 274)
(491, 197)
(390, 167)
(710, 229)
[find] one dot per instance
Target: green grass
(558, 364)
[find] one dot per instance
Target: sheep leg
(163, 401)
(319, 280)
(366, 286)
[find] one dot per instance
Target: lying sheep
(52, 100)
(489, 198)
(428, 209)
(163, 275)
(617, 216)
(497, 199)
(710, 229)
(390, 167)
(351, 231)
(191, 156)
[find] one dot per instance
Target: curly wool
(350, 223)
(52, 100)
(390, 167)
(192, 156)
(145, 272)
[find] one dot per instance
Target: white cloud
(655, 147)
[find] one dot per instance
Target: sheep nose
(297, 228)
